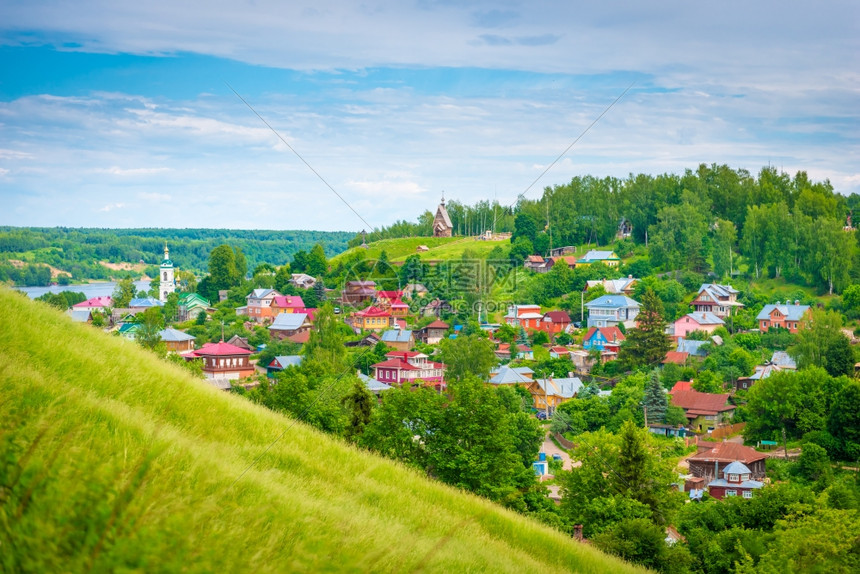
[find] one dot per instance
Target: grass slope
(112, 460)
(441, 248)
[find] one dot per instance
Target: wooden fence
(563, 441)
(727, 431)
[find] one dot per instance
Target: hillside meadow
(112, 460)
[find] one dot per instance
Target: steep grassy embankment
(111, 460)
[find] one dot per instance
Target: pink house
(102, 304)
(702, 321)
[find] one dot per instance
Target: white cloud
(134, 171)
(112, 206)
(156, 197)
(3, 172)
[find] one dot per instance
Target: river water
(98, 289)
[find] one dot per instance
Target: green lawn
(111, 460)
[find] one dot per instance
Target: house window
(731, 493)
(748, 494)
(733, 478)
(165, 275)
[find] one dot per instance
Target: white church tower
(168, 284)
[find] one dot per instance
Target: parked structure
(704, 411)
(442, 226)
(608, 258)
(167, 283)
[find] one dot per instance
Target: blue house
(603, 339)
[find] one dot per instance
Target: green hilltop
(112, 460)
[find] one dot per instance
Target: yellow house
(372, 319)
(608, 258)
(552, 392)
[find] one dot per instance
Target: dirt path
(550, 448)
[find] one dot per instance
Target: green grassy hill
(112, 460)
(441, 248)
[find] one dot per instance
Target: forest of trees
(79, 251)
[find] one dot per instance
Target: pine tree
(655, 400)
(648, 343)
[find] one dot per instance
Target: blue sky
(119, 114)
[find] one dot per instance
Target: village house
(302, 280)
(780, 361)
(706, 322)
(433, 333)
(704, 411)
(241, 342)
(535, 263)
(191, 305)
(612, 310)
(554, 322)
(603, 339)
(287, 304)
(369, 340)
(506, 375)
(736, 481)
(716, 299)
(408, 367)
(711, 462)
(623, 286)
(258, 306)
(176, 341)
(288, 325)
(372, 385)
(223, 362)
(139, 304)
(437, 307)
(371, 319)
(785, 315)
(525, 316)
(399, 339)
(549, 393)
(608, 258)
(559, 352)
(415, 290)
(355, 292)
(569, 260)
(80, 315)
(100, 304)
(391, 301)
(281, 362)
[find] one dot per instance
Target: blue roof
(285, 361)
(174, 335)
(397, 336)
(372, 384)
(566, 388)
(791, 312)
(692, 347)
(288, 321)
(736, 467)
(511, 376)
(612, 302)
(145, 302)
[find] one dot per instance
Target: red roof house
(705, 411)
(223, 362)
(711, 463)
(407, 367)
